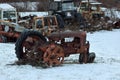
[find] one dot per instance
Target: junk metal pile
(44, 41)
(46, 45)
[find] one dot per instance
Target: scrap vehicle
(117, 24)
(8, 17)
(66, 13)
(8, 13)
(90, 9)
(94, 15)
(9, 32)
(50, 50)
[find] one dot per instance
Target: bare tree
(43, 5)
(24, 6)
(110, 3)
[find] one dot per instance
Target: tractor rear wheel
(54, 55)
(27, 46)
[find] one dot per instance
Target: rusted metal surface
(52, 52)
(61, 35)
(90, 10)
(77, 45)
(9, 30)
(46, 25)
(54, 55)
(57, 49)
(10, 34)
(30, 48)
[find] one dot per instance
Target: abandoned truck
(34, 48)
(8, 13)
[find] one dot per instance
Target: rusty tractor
(34, 48)
(91, 10)
(9, 32)
(94, 16)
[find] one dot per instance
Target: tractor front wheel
(54, 55)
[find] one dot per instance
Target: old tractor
(9, 32)
(50, 50)
(90, 10)
(93, 14)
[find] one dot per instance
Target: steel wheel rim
(53, 56)
(30, 48)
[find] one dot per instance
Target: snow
(112, 13)
(22, 14)
(117, 13)
(96, 3)
(6, 7)
(89, 1)
(105, 67)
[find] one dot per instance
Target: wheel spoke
(30, 47)
(55, 56)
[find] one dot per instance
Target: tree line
(111, 3)
(43, 5)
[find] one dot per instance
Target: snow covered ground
(106, 45)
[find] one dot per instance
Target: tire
(18, 46)
(60, 21)
(78, 17)
(81, 21)
(82, 57)
(91, 57)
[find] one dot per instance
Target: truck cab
(8, 13)
(90, 9)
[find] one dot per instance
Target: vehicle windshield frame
(9, 14)
(68, 6)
